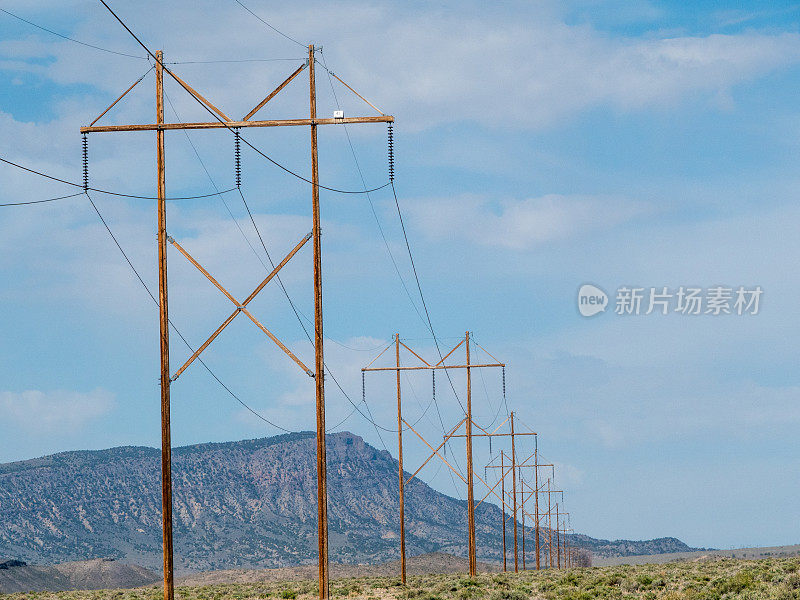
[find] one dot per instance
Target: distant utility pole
(424, 365)
(518, 467)
(549, 493)
(503, 507)
(224, 122)
(512, 469)
(561, 544)
(538, 516)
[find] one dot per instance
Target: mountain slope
(248, 504)
(90, 575)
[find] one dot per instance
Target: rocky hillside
(248, 504)
(96, 574)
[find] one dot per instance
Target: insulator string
(85, 148)
(391, 152)
(237, 154)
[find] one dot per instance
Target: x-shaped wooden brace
(241, 307)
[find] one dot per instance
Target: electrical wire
(62, 36)
(272, 263)
(239, 60)
(42, 201)
(275, 29)
(135, 37)
(110, 193)
(430, 325)
(369, 197)
(230, 128)
(372, 206)
(153, 298)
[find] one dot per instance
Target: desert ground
(708, 579)
(751, 553)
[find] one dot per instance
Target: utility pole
(467, 421)
(522, 465)
(536, 503)
(514, 466)
(558, 536)
(514, 491)
(163, 318)
(400, 467)
(563, 542)
(549, 526)
(473, 561)
(319, 360)
(503, 508)
(224, 122)
(522, 484)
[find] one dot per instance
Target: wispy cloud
(436, 66)
(519, 224)
(45, 412)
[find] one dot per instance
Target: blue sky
(539, 146)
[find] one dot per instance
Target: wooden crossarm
(436, 368)
(235, 124)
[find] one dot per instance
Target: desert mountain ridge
(247, 504)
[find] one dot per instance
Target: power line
(240, 60)
(9, 13)
(430, 325)
(80, 185)
(374, 213)
(135, 37)
(230, 128)
(296, 311)
(275, 29)
(153, 298)
(42, 201)
(369, 197)
(421, 295)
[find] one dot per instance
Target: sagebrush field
(774, 579)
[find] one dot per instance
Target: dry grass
(767, 579)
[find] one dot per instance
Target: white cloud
(518, 224)
(525, 69)
(47, 412)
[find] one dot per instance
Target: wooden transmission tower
(224, 122)
(420, 364)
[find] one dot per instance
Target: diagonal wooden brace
(449, 353)
(444, 441)
(241, 307)
(356, 93)
(197, 95)
(274, 92)
(436, 450)
(125, 93)
(493, 488)
(415, 354)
